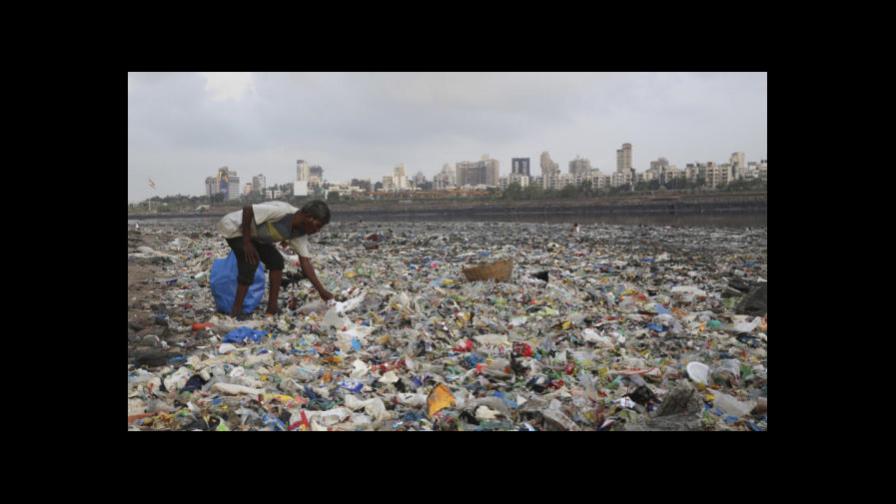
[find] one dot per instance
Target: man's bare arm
(308, 270)
(248, 218)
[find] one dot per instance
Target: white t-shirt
(230, 226)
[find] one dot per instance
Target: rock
(150, 357)
(533, 405)
(145, 331)
(150, 340)
(556, 420)
(683, 399)
(740, 284)
(754, 303)
(681, 410)
(761, 407)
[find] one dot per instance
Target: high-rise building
(658, 171)
(659, 164)
(388, 183)
(315, 176)
(303, 176)
(520, 166)
(259, 183)
(363, 184)
(399, 178)
(738, 163)
(211, 186)
(226, 182)
(623, 178)
(547, 164)
(233, 191)
(519, 178)
(303, 171)
(579, 166)
(485, 172)
(550, 171)
(445, 178)
(624, 158)
(419, 179)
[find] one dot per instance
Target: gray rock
(755, 303)
(681, 410)
(150, 357)
(533, 405)
(556, 420)
(145, 331)
(683, 399)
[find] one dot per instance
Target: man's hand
(251, 253)
(326, 295)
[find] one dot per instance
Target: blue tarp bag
(223, 284)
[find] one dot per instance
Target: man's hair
(317, 209)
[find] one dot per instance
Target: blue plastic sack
(241, 334)
(223, 283)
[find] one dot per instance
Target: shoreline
(628, 205)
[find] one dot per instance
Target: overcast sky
(183, 126)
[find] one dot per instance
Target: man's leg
(245, 274)
(272, 258)
(241, 291)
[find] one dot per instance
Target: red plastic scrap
(466, 346)
(523, 349)
(303, 423)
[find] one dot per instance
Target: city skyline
(183, 127)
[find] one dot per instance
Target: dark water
(689, 220)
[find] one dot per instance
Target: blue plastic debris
(275, 422)
(354, 387)
(242, 334)
(177, 359)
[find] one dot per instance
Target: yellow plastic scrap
(280, 397)
(350, 274)
(439, 399)
(567, 325)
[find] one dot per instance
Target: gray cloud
(182, 127)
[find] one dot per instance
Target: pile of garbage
(614, 328)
